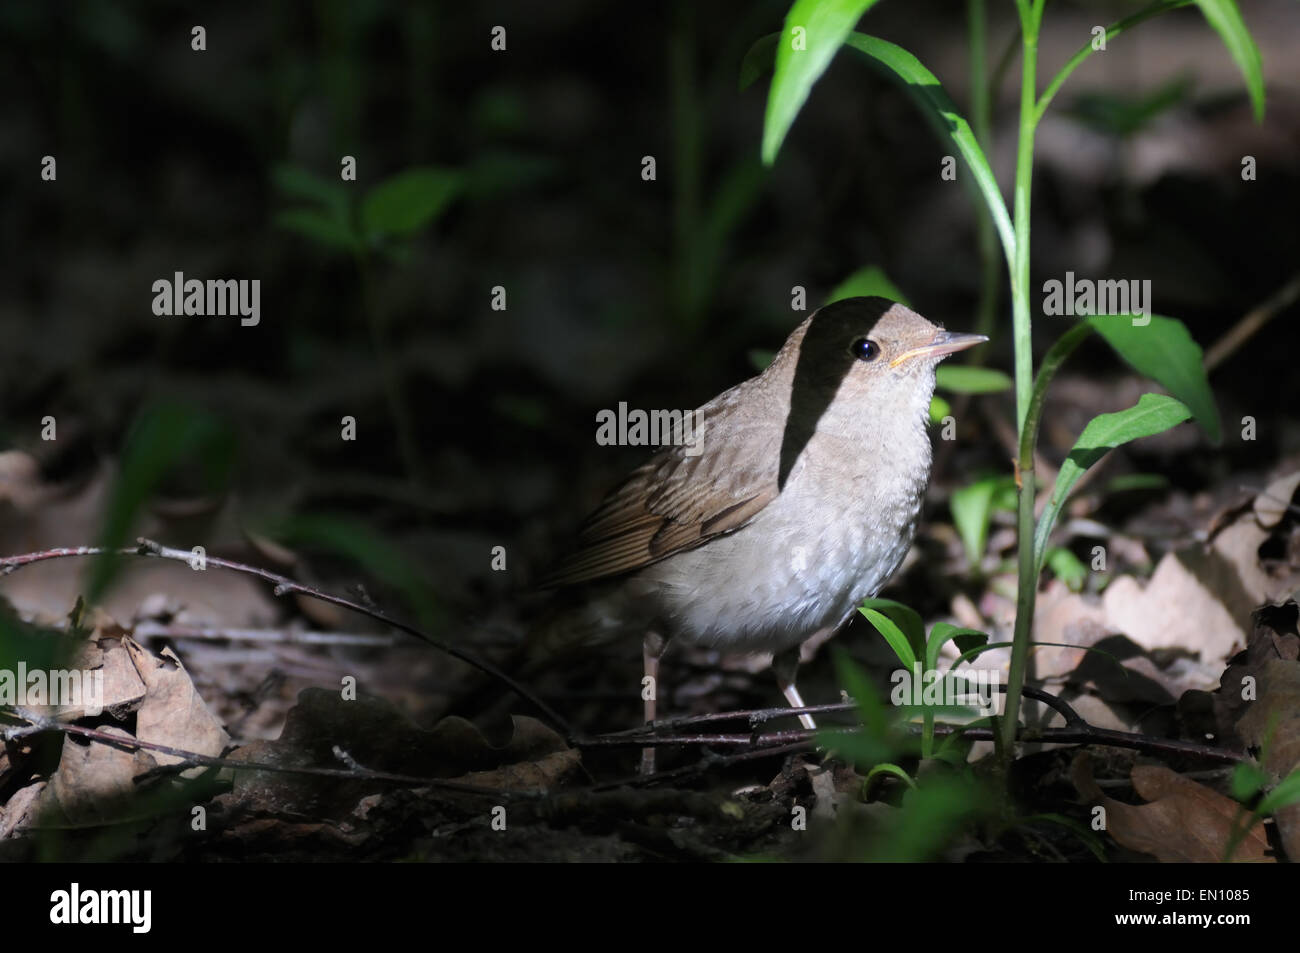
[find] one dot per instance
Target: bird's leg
(784, 666)
(650, 653)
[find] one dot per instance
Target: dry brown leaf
(1272, 504)
(1199, 598)
(19, 812)
(1065, 618)
(540, 775)
(94, 784)
(172, 712)
(1273, 723)
(45, 515)
(20, 480)
(123, 687)
(1185, 822)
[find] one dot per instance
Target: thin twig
(355, 772)
(172, 630)
(1251, 322)
(755, 716)
(284, 586)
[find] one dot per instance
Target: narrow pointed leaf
(893, 635)
(1152, 414)
(905, 617)
(1225, 18)
(943, 632)
(1162, 349)
(813, 33)
(930, 95)
(758, 59)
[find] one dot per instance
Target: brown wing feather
(676, 502)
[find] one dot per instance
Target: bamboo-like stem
(1031, 14)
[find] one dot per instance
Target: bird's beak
(944, 343)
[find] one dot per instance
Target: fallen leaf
(1185, 822)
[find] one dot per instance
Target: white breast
(833, 537)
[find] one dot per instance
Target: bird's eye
(865, 349)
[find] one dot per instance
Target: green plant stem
(981, 126)
(1029, 398)
(1051, 363)
(1031, 15)
(1112, 31)
(1056, 356)
(1029, 564)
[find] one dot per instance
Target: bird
(797, 501)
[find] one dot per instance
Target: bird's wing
(676, 502)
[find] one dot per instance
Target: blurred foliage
(868, 282)
(1067, 567)
(396, 208)
(967, 379)
(972, 509)
(1124, 116)
(375, 554)
(169, 447)
(934, 806)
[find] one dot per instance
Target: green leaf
(1152, 414)
(893, 635)
(945, 631)
(317, 226)
(408, 201)
(939, 409)
(1164, 351)
(868, 282)
(965, 379)
(972, 509)
(39, 647)
(758, 59)
(166, 440)
(1067, 568)
(1121, 114)
(1225, 18)
(818, 27)
(326, 218)
(971, 643)
(494, 175)
(931, 815)
(1130, 482)
(975, 651)
(889, 768)
(298, 183)
(1247, 781)
(760, 357)
(376, 555)
(1286, 793)
(905, 617)
(932, 99)
(875, 722)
